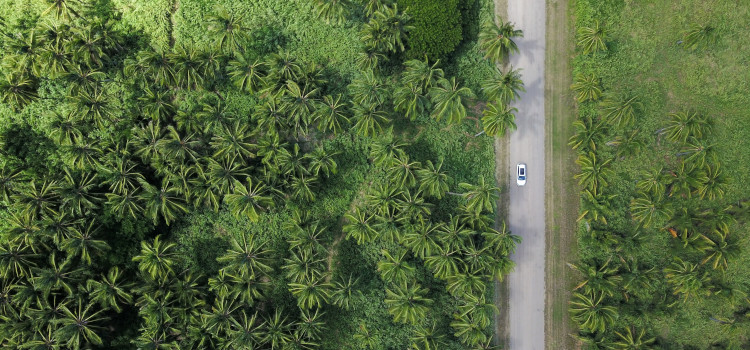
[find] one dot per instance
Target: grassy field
(646, 58)
(561, 187)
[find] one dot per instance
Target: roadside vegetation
(258, 175)
(662, 138)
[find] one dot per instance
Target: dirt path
(526, 288)
(562, 194)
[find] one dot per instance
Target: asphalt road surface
(526, 212)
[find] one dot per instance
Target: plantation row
(655, 234)
(111, 148)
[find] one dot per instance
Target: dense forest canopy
(226, 193)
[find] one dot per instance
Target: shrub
(437, 27)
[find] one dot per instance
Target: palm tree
(628, 143)
(164, 201)
(700, 36)
(686, 181)
(713, 183)
(187, 65)
(394, 268)
(402, 172)
(370, 58)
(602, 279)
(176, 148)
(410, 100)
(277, 330)
(304, 265)
(698, 152)
(235, 141)
(225, 175)
(111, 291)
(498, 119)
(77, 193)
(432, 181)
(245, 332)
(63, 9)
(57, 277)
(462, 284)
(78, 327)
(654, 181)
(311, 325)
(685, 278)
(496, 40)
(619, 110)
(159, 66)
(421, 238)
(17, 90)
(65, 129)
(428, 338)
(247, 198)
(322, 162)
(594, 172)
(369, 120)
(343, 292)
(468, 330)
(95, 106)
(246, 257)
(591, 313)
(156, 260)
(311, 293)
(82, 243)
(364, 337)
(684, 125)
(443, 263)
(595, 208)
(633, 340)
(299, 103)
(478, 308)
(385, 148)
(283, 67)
(449, 100)
(125, 202)
(501, 242)
(368, 90)
(592, 39)
(586, 87)
(719, 249)
(421, 74)
(228, 29)
(503, 87)
(407, 303)
(372, 6)
(387, 29)
(454, 235)
(358, 226)
(220, 317)
(331, 114)
(482, 196)
(245, 75)
(88, 46)
(16, 259)
(333, 11)
(648, 210)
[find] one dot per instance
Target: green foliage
(437, 28)
(184, 174)
(663, 217)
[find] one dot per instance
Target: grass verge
(562, 203)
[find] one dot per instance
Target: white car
(521, 174)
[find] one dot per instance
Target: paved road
(526, 213)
